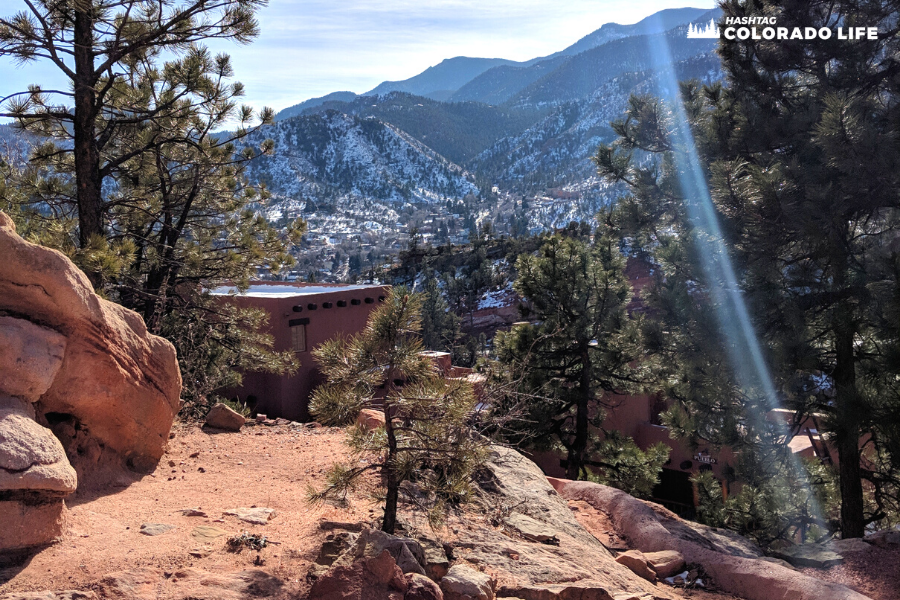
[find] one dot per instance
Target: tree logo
(711, 30)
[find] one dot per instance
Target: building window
(298, 338)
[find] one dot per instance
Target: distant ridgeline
(470, 123)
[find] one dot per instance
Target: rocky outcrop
(80, 379)
(733, 563)
(375, 578)
(104, 372)
(532, 545)
(153, 584)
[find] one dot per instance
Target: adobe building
(301, 316)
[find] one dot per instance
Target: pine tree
(425, 441)
(440, 327)
(801, 153)
(131, 180)
(584, 345)
(122, 100)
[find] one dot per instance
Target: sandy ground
(269, 467)
(260, 466)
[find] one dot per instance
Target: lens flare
(753, 375)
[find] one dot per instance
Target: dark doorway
(676, 492)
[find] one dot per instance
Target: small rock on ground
(206, 533)
(257, 516)
(422, 588)
(155, 528)
(64, 595)
(222, 417)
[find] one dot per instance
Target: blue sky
(308, 48)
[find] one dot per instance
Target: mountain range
(469, 124)
(464, 136)
(448, 79)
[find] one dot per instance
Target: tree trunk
(87, 157)
(853, 522)
(576, 454)
(392, 482)
(848, 430)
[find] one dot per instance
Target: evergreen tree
(425, 440)
(801, 153)
(108, 50)
(440, 327)
(131, 181)
(584, 345)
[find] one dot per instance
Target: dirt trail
(260, 466)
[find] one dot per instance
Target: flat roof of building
(288, 290)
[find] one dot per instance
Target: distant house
(302, 316)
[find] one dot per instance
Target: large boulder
(90, 363)
(30, 357)
(31, 458)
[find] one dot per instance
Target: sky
(309, 48)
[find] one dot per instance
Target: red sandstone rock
(666, 563)
(117, 381)
(30, 357)
(377, 578)
(634, 560)
(222, 417)
(370, 419)
(29, 525)
(63, 595)
(31, 458)
(152, 584)
(422, 588)
(464, 583)
(732, 570)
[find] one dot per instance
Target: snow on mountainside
(330, 155)
(557, 149)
